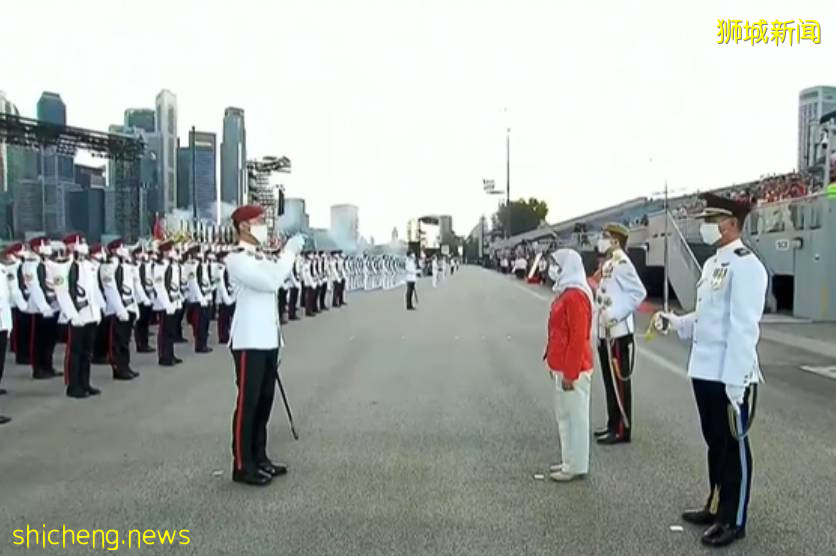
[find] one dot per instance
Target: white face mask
(122, 252)
(554, 272)
(259, 232)
(604, 245)
(710, 233)
(82, 249)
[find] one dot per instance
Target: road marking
(828, 371)
(663, 362)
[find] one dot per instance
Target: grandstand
(790, 229)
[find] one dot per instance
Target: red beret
(13, 249)
(38, 242)
(165, 246)
(96, 248)
(114, 245)
(72, 239)
(246, 212)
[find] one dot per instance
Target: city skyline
(402, 108)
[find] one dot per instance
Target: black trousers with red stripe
(23, 330)
(293, 302)
(43, 343)
(621, 349)
(255, 376)
(4, 336)
(100, 341)
(143, 324)
(225, 313)
(119, 353)
(77, 357)
(200, 324)
(166, 334)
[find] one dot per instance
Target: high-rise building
(813, 103)
(9, 155)
(166, 126)
(87, 205)
(204, 146)
(234, 157)
(294, 219)
(141, 118)
(445, 225)
(125, 202)
(345, 224)
(52, 109)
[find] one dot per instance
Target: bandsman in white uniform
(43, 306)
(166, 303)
(122, 309)
(619, 294)
(10, 299)
(724, 330)
(255, 340)
(144, 288)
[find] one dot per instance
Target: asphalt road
(420, 433)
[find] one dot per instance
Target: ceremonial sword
(286, 406)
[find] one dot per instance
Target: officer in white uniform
(619, 295)
(122, 309)
(166, 302)
(255, 340)
(724, 330)
(43, 308)
(144, 290)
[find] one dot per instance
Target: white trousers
(571, 408)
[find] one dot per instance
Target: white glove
(123, 316)
(295, 244)
(674, 320)
(77, 322)
(735, 395)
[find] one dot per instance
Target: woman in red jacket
(569, 358)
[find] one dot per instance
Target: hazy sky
(398, 106)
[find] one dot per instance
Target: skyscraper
(9, 155)
(233, 157)
(129, 206)
(141, 118)
(344, 225)
(294, 219)
(813, 103)
(205, 145)
(57, 170)
(166, 126)
(6, 174)
(52, 109)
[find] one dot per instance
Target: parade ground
(420, 433)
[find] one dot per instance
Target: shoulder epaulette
(742, 252)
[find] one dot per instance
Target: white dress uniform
(74, 287)
(724, 330)
(619, 295)
(122, 308)
(255, 339)
(166, 302)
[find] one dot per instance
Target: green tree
(526, 215)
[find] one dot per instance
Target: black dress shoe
(3, 392)
(251, 478)
(166, 363)
(92, 391)
(123, 375)
(133, 373)
(145, 350)
(54, 372)
(4, 419)
(79, 394)
(177, 360)
(41, 375)
(722, 535)
(699, 517)
(610, 439)
(273, 469)
(204, 350)
(602, 432)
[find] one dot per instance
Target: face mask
(122, 253)
(710, 233)
(554, 272)
(82, 249)
(604, 245)
(259, 232)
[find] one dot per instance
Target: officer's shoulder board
(742, 252)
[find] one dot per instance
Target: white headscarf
(572, 274)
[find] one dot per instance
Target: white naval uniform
(724, 330)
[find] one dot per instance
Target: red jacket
(569, 347)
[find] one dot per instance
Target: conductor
(255, 340)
